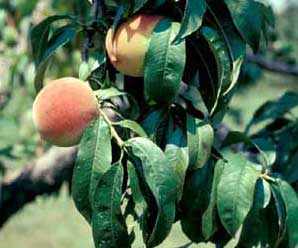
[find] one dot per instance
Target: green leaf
(133, 126)
(84, 71)
(60, 37)
(117, 17)
(259, 228)
(39, 74)
(192, 94)
(221, 53)
(268, 19)
(140, 203)
(164, 63)
(94, 62)
(40, 34)
(248, 20)
(108, 225)
(262, 194)
(290, 173)
(195, 201)
(284, 133)
(104, 94)
(209, 221)
(155, 125)
(235, 137)
(266, 148)
(160, 178)
(268, 14)
(192, 19)
(208, 71)
(157, 3)
(138, 4)
(200, 136)
(177, 153)
(93, 160)
(235, 192)
(102, 154)
(291, 203)
(274, 109)
(281, 211)
(234, 42)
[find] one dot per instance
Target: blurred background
(51, 220)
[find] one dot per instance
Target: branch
(273, 66)
(43, 176)
(98, 10)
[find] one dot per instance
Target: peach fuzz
(63, 109)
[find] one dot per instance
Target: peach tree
(168, 70)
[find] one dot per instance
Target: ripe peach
(63, 109)
(128, 48)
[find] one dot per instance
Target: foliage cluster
(164, 161)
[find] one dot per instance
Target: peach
(63, 109)
(128, 48)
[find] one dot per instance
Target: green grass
(53, 222)
(50, 222)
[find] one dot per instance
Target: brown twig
(97, 10)
(272, 66)
(43, 176)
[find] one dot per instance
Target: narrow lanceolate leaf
(265, 147)
(155, 125)
(108, 93)
(102, 158)
(291, 203)
(160, 178)
(40, 73)
(43, 47)
(209, 224)
(290, 173)
(93, 160)
(280, 210)
(40, 34)
(193, 95)
(262, 194)
(177, 153)
(117, 19)
(259, 228)
(133, 126)
(138, 4)
(192, 19)
(267, 151)
(200, 136)
(195, 200)
(248, 20)
(235, 192)
(268, 19)
(274, 109)
(164, 63)
(221, 53)
(140, 203)
(236, 45)
(61, 37)
(108, 225)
